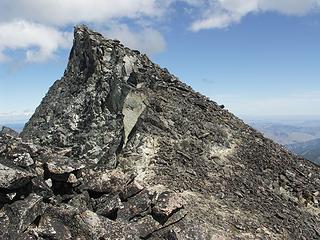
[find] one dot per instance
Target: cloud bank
(40, 41)
(223, 13)
(36, 26)
(146, 40)
(15, 117)
(64, 12)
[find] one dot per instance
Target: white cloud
(222, 13)
(64, 12)
(15, 116)
(39, 41)
(146, 40)
(25, 113)
(216, 21)
(38, 30)
(290, 7)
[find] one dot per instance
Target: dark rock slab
(108, 206)
(105, 181)
(8, 131)
(12, 177)
(18, 216)
(131, 189)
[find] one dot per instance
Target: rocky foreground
(121, 149)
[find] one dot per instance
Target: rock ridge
(121, 149)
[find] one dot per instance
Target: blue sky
(259, 58)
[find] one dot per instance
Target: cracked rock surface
(121, 149)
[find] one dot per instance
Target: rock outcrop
(121, 149)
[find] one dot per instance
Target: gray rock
(8, 131)
(20, 215)
(166, 204)
(52, 228)
(108, 206)
(23, 160)
(58, 165)
(137, 207)
(132, 189)
(122, 149)
(13, 178)
(107, 181)
(82, 201)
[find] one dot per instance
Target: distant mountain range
(289, 134)
(310, 150)
(302, 138)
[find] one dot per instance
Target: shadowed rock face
(121, 149)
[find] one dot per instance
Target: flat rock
(130, 190)
(107, 181)
(13, 178)
(61, 164)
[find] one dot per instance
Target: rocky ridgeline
(121, 149)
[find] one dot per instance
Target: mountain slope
(123, 149)
(309, 150)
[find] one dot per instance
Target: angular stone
(72, 178)
(146, 226)
(53, 228)
(23, 213)
(82, 202)
(107, 181)
(103, 228)
(8, 131)
(166, 204)
(23, 160)
(61, 164)
(13, 178)
(136, 207)
(132, 189)
(108, 206)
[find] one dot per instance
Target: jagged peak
(86, 50)
(80, 27)
(81, 31)
(102, 72)
(92, 52)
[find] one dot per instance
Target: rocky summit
(121, 149)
